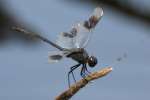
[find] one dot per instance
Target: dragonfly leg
(71, 72)
(83, 71)
(88, 72)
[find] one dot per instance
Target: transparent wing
(80, 33)
(65, 40)
(82, 36)
(84, 29)
(55, 56)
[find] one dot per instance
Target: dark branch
(129, 9)
(122, 6)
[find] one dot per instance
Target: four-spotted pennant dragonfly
(72, 44)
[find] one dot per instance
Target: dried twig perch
(66, 95)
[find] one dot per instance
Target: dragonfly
(72, 44)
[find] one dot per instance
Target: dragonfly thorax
(80, 55)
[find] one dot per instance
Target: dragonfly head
(92, 61)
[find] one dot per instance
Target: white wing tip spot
(98, 12)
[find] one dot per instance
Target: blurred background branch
(128, 7)
(7, 21)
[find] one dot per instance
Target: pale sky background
(25, 73)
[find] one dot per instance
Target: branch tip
(66, 95)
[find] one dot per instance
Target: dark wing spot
(119, 59)
(87, 25)
(91, 23)
(65, 34)
(73, 32)
(56, 57)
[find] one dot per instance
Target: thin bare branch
(66, 95)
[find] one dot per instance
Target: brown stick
(66, 95)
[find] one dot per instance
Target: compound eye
(92, 61)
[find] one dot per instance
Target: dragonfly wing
(55, 56)
(84, 29)
(96, 16)
(80, 33)
(65, 40)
